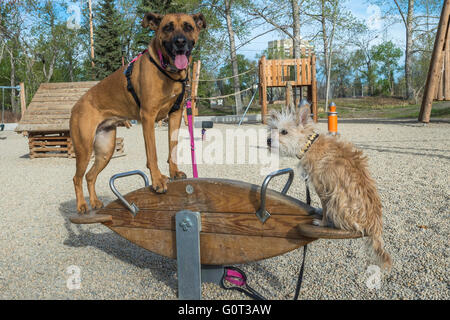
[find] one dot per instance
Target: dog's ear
(200, 21)
(303, 115)
(152, 21)
(272, 116)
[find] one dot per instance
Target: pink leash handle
(191, 133)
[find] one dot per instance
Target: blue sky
(359, 8)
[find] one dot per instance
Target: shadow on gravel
(397, 150)
(163, 269)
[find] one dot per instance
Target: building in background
(284, 48)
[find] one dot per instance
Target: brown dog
(157, 86)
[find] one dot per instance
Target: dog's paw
(179, 175)
(96, 204)
(317, 222)
(82, 207)
(159, 185)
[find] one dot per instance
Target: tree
(108, 41)
(387, 55)
(228, 12)
(417, 16)
(334, 23)
(284, 16)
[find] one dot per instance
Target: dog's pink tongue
(181, 61)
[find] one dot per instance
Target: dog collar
(307, 145)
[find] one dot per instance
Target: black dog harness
(130, 87)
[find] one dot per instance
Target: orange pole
(332, 119)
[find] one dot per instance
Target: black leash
(238, 278)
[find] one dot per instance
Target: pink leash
(191, 133)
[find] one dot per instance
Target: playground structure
(208, 223)
(46, 121)
(438, 80)
(288, 73)
(285, 73)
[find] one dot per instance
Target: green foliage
(387, 56)
(108, 39)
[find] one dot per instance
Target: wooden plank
(263, 83)
(48, 155)
(314, 88)
(315, 232)
(42, 127)
(215, 249)
(48, 143)
(61, 91)
(48, 121)
(447, 71)
(23, 100)
(299, 72)
(279, 226)
(48, 112)
(64, 99)
(304, 65)
(42, 116)
(48, 149)
(64, 104)
(195, 77)
(68, 85)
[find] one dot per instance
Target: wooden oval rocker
(240, 222)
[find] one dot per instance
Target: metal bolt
(189, 189)
(186, 224)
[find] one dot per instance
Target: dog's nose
(180, 42)
(269, 142)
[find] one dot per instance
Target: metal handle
(132, 207)
(262, 213)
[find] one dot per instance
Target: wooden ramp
(46, 120)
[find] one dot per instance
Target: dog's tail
(383, 258)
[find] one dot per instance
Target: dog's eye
(168, 28)
(188, 27)
(284, 132)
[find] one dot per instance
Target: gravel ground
(409, 161)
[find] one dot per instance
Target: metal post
(188, 226)
(3, 105)
(246, 109)
(191, 273)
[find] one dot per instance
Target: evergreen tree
(107, 39)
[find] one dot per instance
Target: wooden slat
(227, 223)
(65, 99)
(41, 127)
(48, 149)
(38, 121)
(48, 155)
(64, 104)
(314, 232)
(37, 144)
(68, 85)
(61, 91)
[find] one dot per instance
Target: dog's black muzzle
(179, 45)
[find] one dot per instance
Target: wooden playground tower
(288, 73)
(438, 81)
